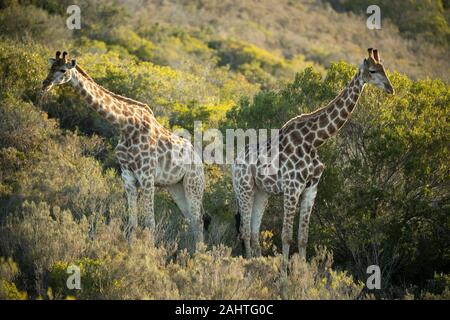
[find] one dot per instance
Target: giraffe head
(60, 71)
(372, 71)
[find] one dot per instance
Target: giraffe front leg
(130, 188)
(148, 195)
(291, 198)
(309, 195)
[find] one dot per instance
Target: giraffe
(146, 151)
(299, 167)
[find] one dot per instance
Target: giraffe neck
(114, 108)
(324, 123)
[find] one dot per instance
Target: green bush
(28, 22)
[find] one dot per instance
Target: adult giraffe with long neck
(149, 155)
(299, 168)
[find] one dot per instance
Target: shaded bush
(8, 273)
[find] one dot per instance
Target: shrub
(28, 22)
(38, 237)
(8, 289)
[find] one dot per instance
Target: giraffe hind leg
(245, 204)
(307, 202)
(131, 191)
(177, 193)
(194, 186)
(291, 198)
(259, 205)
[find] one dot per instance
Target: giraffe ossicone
(145, 151)
(299, 166)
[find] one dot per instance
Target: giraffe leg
(130, 188)
(194, 186)
(246, 197)
(177, 193)
(259, 205)
(307, 202)
(291, 198)
(148, 186)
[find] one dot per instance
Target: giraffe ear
(51, 61)
(73, 64)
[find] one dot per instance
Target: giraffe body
(149, 155)
(299, 168)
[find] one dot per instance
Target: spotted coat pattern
(299, 168)
(149, 155)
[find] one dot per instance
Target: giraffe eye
(372, 71)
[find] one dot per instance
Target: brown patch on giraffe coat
(306, 147)
(289, 164)
(344, 113)
(126, 112)
(288, 148)
(299, 151)
(102, 112)
(301, 163)
(110, 117)
(129, 130)
(318, 169)
(304, 130)
(351, 106)
(339, 122)
(334, 114)
(310, 137)
(299, 125)
(135, 137)
(284, 140)
(134, 150)
(322, 134)
(304, 173)
(331, 129)
(339, 103)
(323, 120)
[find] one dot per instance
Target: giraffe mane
(311, 115)
(114, 95)
(305, 116)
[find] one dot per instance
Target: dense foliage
(383, 199)
(427, 19)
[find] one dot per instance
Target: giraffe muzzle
(46, 85)
(389, 89)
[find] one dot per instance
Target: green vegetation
(427, 20)
(383, 199)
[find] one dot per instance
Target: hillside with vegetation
(383, 199)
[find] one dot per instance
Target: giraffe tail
(206, 219)
(237, 219)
